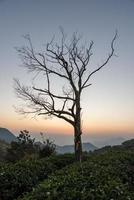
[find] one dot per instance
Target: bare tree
(68, 61)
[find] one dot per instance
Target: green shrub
(22, 176)
(48, 149)
(108, 176)
(22, 147)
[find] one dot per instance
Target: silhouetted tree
(48, 147)
(67, 61)
(24, 145)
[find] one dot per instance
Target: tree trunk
(77, 144)
(77, 131)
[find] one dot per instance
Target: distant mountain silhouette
(108, 141)
(126, 145)
(70, 148)
(6, 135)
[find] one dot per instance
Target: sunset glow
(107, 105)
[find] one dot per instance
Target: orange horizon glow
(95, 126)
(57, 126)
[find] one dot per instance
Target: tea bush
(108, 176)
(22, 176)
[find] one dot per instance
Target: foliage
(3, 149)
(21, 148)
(22, 176)
(24, 138)
(104, 175)
(61, 160)
(48, 148)
(128, 144)
(26, 147)
(107, 176)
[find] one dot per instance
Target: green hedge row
(15, 179)
(104, 177)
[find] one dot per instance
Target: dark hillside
(6, 135)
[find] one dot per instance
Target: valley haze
(67, 139)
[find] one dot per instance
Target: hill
(70, 148)
(6, 135)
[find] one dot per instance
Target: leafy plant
(107, 176)
(22, 147)
(15, 179)
(48, 147)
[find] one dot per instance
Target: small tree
(67, 61)
(24, 145)
(48, 148)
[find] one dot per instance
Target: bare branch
(106, 61)
(66, 61)
(53, 95)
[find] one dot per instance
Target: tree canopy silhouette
(68, 61)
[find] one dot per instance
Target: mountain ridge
(7, 135)
(86, 146)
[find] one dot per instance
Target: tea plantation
(107, 176)
(103, 176)
(15, 179)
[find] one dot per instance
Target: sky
(108, 105)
